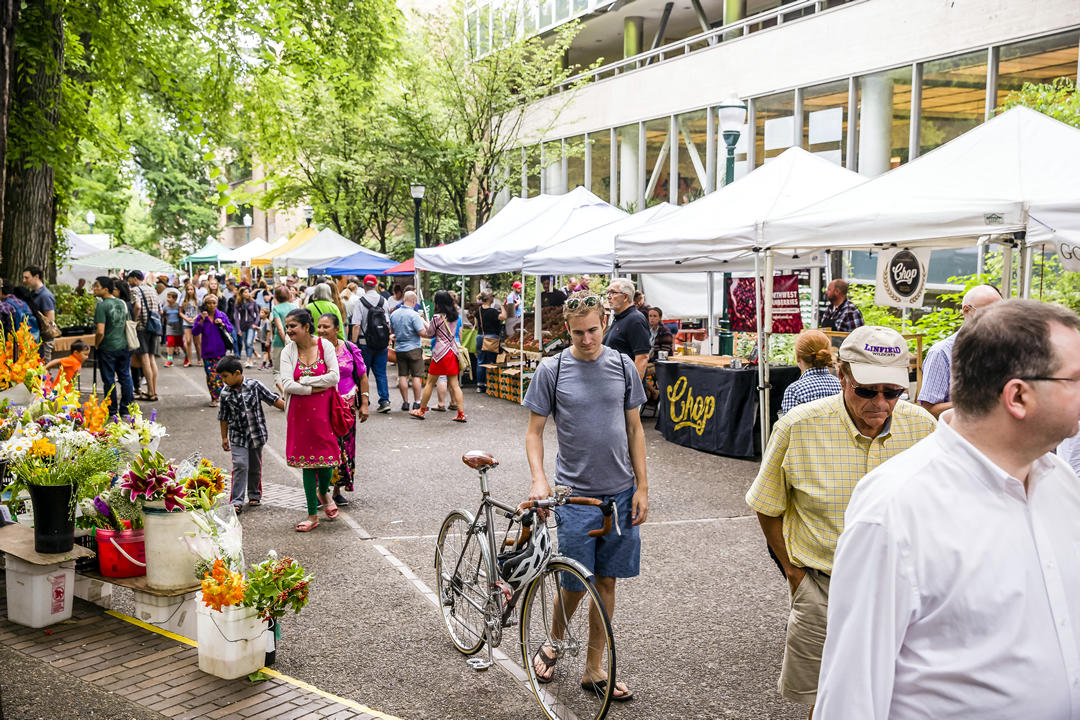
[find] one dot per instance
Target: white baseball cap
(877, 355)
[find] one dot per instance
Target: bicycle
(477, 604)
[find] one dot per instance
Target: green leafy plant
(84, 468)
(72, 309)
(276, 586)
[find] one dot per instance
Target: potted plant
(152, 483)
(231, 642)
(274, 587)
(57, 471)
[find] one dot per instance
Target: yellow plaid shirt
(814, 459)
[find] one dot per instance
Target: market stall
(302, 236)
(323, 248)
(707, 405)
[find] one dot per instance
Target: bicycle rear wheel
(579, 638)
(462, 586)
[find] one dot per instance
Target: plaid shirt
(240, 407)
(814, 384)
(815, 458)
(935, 372)
(845, 317)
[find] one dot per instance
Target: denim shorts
(611, 555)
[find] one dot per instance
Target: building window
(1036, 61)
(884, 104)
(953, 98)
(236, 219)
(692, 142)
(600, 157)
(554, 182)
(532, 169)
(575, 161)
(657, 147)
(774, 121)
(825, 121)
(547, 8)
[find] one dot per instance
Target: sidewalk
(103, 664)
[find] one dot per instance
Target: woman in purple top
(350, 366)
(211, 326)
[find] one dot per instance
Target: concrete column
(628, 166)
(633, 36)
(734, 11)
(875, 124)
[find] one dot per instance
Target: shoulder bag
(342, 418)
(131, 330)
(226, 337)
(153, 319)
(48, 329)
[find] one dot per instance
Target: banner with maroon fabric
(742, 304)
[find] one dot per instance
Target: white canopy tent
(592, 251)
(80, 246)
(325, 247)
(520, 228)
(1012, 175)
(716, 231)
(244, 253)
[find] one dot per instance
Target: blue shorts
(611, 555)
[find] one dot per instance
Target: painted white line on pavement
(695, 521)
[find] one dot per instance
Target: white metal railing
(702, 41)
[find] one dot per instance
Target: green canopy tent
(126, 258)
(211, 252)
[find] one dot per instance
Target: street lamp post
(247, 226)
(732, 117)
(90, 218)
(309, 214)
(417, 192)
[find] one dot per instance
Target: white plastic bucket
(40, 595)
(170, 565)
(232, 643)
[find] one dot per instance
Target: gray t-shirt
(591, 403)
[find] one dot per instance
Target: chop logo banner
(901, 277)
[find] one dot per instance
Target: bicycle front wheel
(562, 619)
(461, 577)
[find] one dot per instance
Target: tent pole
(521, 335)
(711, 331)
(537, 312)
(763, 360)
(815, 292)
(1006, 271)
(763, 412)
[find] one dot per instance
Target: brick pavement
(162, 674)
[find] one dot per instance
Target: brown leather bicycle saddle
(477, 459)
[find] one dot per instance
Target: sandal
(254, 503)
(438, 408)
(151, 398)
(548, 661)
(418, 414)
(460, 417)
(599, 687)
(307, 525)
(331, 510)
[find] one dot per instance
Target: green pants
(316, 479)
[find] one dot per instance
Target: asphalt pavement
(698, 635)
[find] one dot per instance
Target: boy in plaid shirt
(243, 428)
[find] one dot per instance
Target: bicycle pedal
(479, 664)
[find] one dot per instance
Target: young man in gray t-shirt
(593, 393)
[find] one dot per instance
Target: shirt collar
(624, 313)
(986, 469)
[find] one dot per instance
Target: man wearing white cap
(956, 592)
(817, 454)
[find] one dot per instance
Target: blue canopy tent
(361, 263)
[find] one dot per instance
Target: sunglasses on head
(868, 394)
(587, 301)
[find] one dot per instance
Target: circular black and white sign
(904, 276)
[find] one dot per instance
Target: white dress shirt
(1069, 451)
(954, 593)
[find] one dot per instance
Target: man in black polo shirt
(629, 333)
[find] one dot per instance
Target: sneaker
(340, 499)
(248, 364)
(481, 389)
(168, 363)
(416, 406)
(187, 363)
(384, 407)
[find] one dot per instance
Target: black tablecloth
(716, 409)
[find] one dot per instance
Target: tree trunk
(9, 13)
(29, 200)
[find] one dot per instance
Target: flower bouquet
(218, 534)
(20, 365)
(134, 432)
(231, 634)
(117, 524)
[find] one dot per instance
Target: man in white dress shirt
(955, 591)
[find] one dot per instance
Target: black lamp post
(309, 214)
(417, 192)
(247, 226)
(732, 117)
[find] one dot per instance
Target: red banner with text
(742, 305)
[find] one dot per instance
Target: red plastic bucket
(121, 554)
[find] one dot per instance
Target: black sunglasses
(868, 394)
(587, 301)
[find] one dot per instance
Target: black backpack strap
(555, 385)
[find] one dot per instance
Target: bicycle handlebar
(606, 507)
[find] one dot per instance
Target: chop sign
(690, 411)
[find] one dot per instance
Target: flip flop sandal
(254, 503)
(331, 511)
(460, 418)
(307, 525)
(439, 408)
(599, 688)
(548, 661)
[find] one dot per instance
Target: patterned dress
(309, 440)
(351, 366)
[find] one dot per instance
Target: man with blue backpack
(371, 332)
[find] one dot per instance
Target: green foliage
(1059, 99)
(276, 586)
(72, 309)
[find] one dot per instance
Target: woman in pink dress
(443, 355)
(309, 367)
